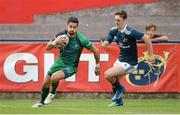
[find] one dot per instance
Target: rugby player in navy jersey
(125, 37)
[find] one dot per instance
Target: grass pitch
(92, 106)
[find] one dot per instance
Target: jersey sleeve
(84, 41)
(112, 34)
(136, 34)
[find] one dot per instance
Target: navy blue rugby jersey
(126, 40)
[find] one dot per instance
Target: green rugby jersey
(69, 55)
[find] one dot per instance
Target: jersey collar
(124, 28)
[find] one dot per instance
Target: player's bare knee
(107, 76)
(53, 79)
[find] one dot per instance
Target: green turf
(92, 106)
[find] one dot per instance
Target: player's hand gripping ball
(61, 41)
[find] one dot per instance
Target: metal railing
(92, 40)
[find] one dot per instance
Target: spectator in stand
(151, 29)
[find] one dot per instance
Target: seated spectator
(151, 29)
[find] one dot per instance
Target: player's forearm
(49, 45)
(148, 43)
(96, 54)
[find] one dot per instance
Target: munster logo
(146, 72)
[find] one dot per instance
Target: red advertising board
(24, 65)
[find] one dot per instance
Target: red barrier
(23, 11)
(23, 67)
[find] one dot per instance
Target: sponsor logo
(146, 72)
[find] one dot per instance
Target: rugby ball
(58, 41)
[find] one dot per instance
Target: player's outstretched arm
(149, 46)
(163, 38)
(97, 58)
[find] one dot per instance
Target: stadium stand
(165, 14)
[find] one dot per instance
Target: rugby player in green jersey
(67, 62)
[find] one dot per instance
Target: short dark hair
(122, 14)
(149, 26)
(73, 20)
